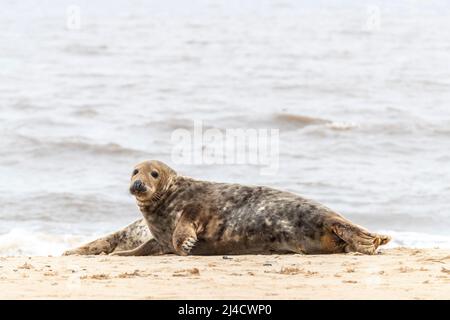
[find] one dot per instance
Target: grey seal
(186, 216)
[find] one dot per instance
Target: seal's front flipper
(184, 240)
(149, 248)
(359, 239)
(184, 237)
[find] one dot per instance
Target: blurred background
(360, 93)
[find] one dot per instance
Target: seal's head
(150, 179)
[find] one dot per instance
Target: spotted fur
(130, 237)
(188, 216)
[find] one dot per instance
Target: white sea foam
(417, 240)
(342, 125)
(26, 242)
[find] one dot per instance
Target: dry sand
(400, 273)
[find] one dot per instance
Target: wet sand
(400, 273)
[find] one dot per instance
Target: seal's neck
(159, 196)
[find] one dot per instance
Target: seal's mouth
(138, 188)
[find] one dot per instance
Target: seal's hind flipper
(359, 239)
(127, 238)
(103, 245)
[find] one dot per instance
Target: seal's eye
(135, 172)
(154, 174)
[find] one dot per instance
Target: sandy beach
(400, 273)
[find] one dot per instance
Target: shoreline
(399, 273)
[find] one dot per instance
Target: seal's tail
(357, 238)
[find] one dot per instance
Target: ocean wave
(175, 123)
(89, 208)
(40, 146)
(416, 239)
(342, 125)
(44, 122)
(86, 112)
(292, 122)
(282, 121)
(87, 50)
(300, 121)
(25, 242)
(400, 128)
